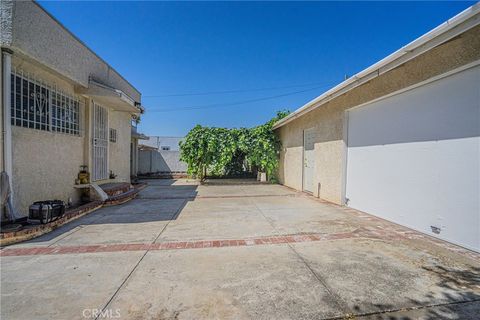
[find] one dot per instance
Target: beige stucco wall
(45, 166)
(134, 157)
(119, 152)
(38, 35)
(24, 65)
(328, 119)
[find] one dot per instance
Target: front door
(308, 159)
(100, 143)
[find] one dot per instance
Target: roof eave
(61, 25)
(460, 23)
(112, 97)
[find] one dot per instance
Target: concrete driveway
(183, 251)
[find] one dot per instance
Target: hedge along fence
(225, 152)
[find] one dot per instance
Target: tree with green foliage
(265, 146)
(221, 151)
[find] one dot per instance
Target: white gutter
(462, 22)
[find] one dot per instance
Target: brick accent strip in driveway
(198, 244)
(393, 233)
(365, 233)
(193, 197)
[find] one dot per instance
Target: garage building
(401, 139)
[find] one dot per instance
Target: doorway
(308, 159)
(100, 143)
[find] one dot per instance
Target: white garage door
(414, 158)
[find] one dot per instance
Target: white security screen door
(100, 143)
(308, 159)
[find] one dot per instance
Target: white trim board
(419, 84)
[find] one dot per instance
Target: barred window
(113, 135)
(65, 114)
(36, 105)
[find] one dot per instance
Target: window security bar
(36, 105)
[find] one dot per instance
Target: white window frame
(46, 108)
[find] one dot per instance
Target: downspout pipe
(6, 70)
(7, 127)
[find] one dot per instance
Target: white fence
(161, 161)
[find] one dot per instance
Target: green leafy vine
(222, 151)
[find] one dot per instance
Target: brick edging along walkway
(33, 231)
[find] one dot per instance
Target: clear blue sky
(197, 47)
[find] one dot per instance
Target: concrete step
(123, 197)
(116, 188)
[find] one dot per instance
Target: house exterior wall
(2, 166)
(119, 152)
(45, 166)
(328, 119)
(134, 157)
(30, 67)
(39, 35)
